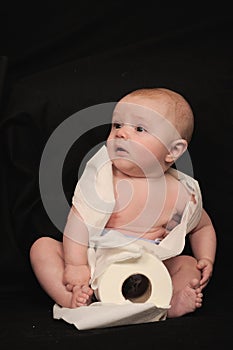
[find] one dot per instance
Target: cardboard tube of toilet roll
(147, 270)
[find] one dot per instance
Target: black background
(59, 58)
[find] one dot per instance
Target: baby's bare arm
(75, 244)
(203, 239)
(203, 242)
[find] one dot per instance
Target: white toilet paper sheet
(102, 315)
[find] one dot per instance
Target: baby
(151, 129)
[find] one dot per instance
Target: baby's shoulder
(183, 195)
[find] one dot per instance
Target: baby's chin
(127, 168)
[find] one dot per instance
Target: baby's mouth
(121, 149)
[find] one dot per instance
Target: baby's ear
(177, 148)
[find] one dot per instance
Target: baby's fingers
(204, 280)
(69, 287)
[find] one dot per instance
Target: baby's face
(140, 137)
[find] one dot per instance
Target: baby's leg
(186, 277)
(47, 261)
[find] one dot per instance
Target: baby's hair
(184, 119)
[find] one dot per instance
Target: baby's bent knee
(43, 246)
(187, 260)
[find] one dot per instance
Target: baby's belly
(136, 221)
(141, 232)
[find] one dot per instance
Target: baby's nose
(123, 132)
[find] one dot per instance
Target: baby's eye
(140, 129)
(116, 125)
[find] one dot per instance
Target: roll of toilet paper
(145, 279)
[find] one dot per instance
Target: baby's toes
(198, 290)
(87, 290)
(199, 300)
(79, 297)
(81, 301)
(198, 305)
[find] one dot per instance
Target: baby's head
(169, 104)
(158, 123)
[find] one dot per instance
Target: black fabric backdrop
(61, 59)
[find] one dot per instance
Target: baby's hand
(76, 279)
(206, 267)
(76, 274)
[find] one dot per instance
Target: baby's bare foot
(81, 296)
(89, 292)
(186, 300)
